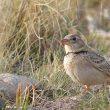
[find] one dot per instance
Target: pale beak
(64, 41)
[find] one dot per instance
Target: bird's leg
(85, 87)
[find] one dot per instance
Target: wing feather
(98, 61)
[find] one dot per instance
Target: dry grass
(30, 30)
(29, 44)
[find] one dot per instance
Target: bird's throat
(79, 51)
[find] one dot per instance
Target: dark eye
(74, 38)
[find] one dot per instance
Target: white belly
(83, 72)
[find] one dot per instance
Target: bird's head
(73, 43)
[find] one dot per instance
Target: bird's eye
(74, 38)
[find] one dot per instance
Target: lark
(84, 64)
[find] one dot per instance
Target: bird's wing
(98, 61)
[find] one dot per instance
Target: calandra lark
(84, 64)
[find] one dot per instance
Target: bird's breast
(69, 65)
(82, 71)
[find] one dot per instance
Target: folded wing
(99, 62)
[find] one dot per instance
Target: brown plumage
(84, 64)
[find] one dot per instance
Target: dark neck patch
(79, 52)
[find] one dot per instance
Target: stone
(9, 84)
(2, 103)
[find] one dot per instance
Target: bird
(83, 63)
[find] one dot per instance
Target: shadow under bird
(83, 63)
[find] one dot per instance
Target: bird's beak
(64, 41)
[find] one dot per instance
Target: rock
(2, 103)
(9, 84)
